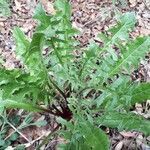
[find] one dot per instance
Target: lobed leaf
(125, 121)
(64, 7)
(131, 56)
(22, 43)
(84, 135)
(94, 137)
(43, 19)
(119, 32)
(22, 105)
(140, 93)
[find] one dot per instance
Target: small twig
(19, 132)
(16, 130)
(27, 145)
(32, 142)
(9, 135)
(57, 141)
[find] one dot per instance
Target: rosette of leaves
(84, 92)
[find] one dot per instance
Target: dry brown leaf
(148, 138)
(119, 145)
(145, 147)
(48, 6)
(147, 3)
(139, 108)
(132, 3)
(144, 31)
(128, 134)
(139, 139)
(17, 5)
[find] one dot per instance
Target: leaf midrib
(112, 39)
(125, 60)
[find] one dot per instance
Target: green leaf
(21, 87)
(14, 104)
(84, 77)
(40, 15)
(126, 23)
(7, 76)
(35, 45)
(64, 7)
(124, 121)
(30, 52)
(84, 134)
(4, 8)
(40, 123)
(140, 93)
(34, 55)
(134, 51)
(107, 56)
(128, 18)
(129, 57)
(94, 137)
(22, 43)
(118, 32)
